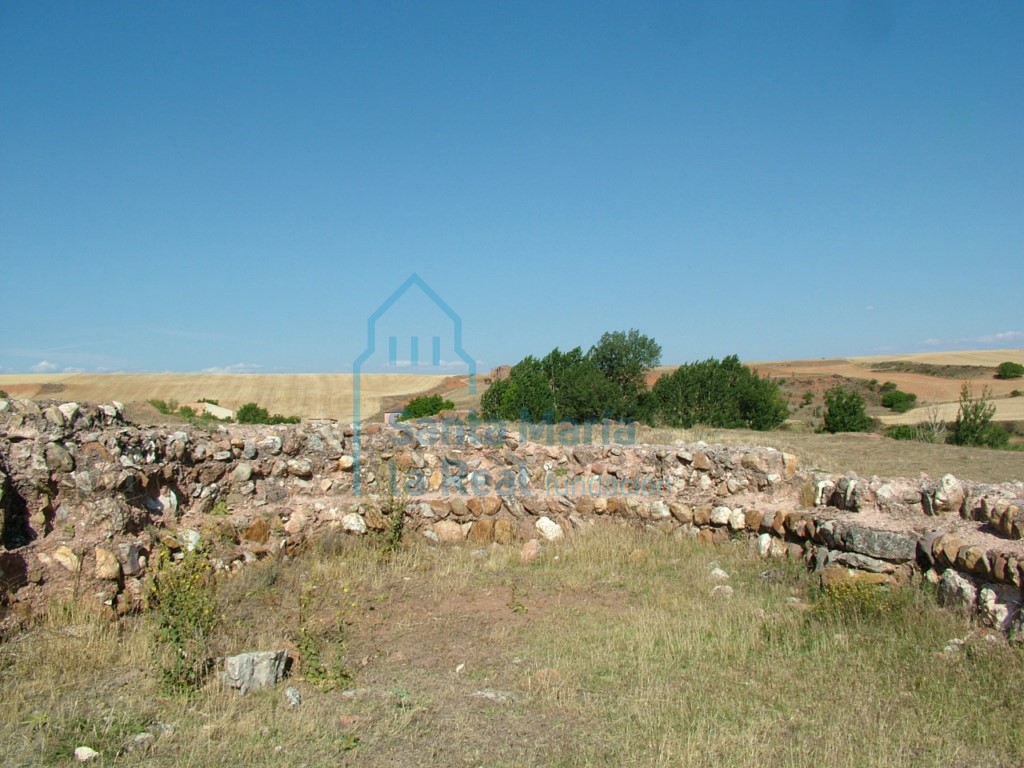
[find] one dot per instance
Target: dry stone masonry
(88, 498)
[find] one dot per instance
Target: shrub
(314, 645)
(902, 432)
(251, 413)
(718, 393)
(808, 397)
(1015, 393)
(844, 411)
(889, 386)
(1009, 370)
(184, 595)
(3, 395)
(899, 401)
(425, 405)
(852, 601)
(974, 425)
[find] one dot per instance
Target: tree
(581, 391)
(844, 411)
(525, 394)
(625, 358)
(425, 405)
(718, 393)
(606, 382)
(1009, 370)
(974, 425)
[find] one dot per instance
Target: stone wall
(87, 498)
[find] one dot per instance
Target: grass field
(611, 650)
(864, 453)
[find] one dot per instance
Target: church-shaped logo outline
(414, 280)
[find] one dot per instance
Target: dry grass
(865, 454)
(1007, 409)
(609, 651)
(310, 395)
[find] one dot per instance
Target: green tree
(1009, 370)
(844, 411)
(525, 394)
(580, 390)
(974, 425)
(720, 393)
(425, 405)
(625, 358)
(606, 382)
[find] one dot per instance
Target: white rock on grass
(955, 591)
(85, 754)
(253, 671)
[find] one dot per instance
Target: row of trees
(610, 381)
(605, 382)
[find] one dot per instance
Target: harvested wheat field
(1007, 409)
(938, 377)
(987, 357)
(310, 395)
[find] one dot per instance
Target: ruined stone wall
(87, 498)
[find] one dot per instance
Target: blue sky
(190, 186)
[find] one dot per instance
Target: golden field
(310, 395)
(329, 395)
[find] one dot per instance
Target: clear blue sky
(186, 186)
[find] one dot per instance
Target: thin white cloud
(869, 308)
(1002, 337)
(236, 368)
(44, 366)
(992, 339)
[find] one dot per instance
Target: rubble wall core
(87, 498)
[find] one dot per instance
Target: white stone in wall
(549, 529)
